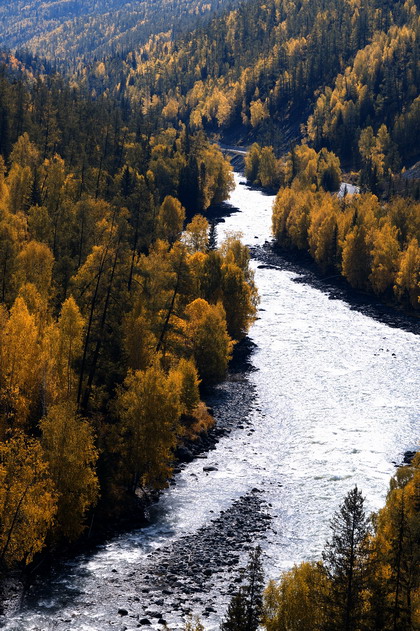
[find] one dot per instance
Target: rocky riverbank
(176, 579)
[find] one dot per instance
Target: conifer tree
(346, 560)
(245, 608)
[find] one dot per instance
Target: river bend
(331, 401)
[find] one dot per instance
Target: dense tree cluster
(110, 313)
(374, 245)
(67, 31)
(301, 167)
(369, 574)
(257, 70)
(378, 90)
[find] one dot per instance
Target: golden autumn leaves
(182, 339)
(47, 468)
(187, 306)
(374, 245)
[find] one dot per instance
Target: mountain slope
(256, 71)
(73, 28)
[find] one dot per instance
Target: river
(329, 400)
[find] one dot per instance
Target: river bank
(177, 577)
(230, 401)
(336, 287)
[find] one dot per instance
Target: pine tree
(236, 615)
(245, 608)
(346, 560)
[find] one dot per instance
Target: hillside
(258, 72)
(68, 29)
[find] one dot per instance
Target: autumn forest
(121, 307)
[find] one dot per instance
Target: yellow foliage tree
(19, 186)
(298, 220)
(252, 163)
(62, 345)
(139, 341)
(267, 171)
(69, 449)
(189, 394)
(258, 113)
(295, 603)
(34, 265)
(284, 204)
(25, 153)
(239, 300)
(19, 365)
(323, 231)
(385, 258)
(170, 219)
(216, 176)
(27, 500)
(9, 244)
(407, 282)
(149, 406)
(196, 236)
(208, 339)
(397, 553)
(356, 258)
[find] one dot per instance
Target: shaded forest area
(65, 31)
(277, 70)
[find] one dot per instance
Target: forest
(266, 70)
(66, 31)
(117, 310)
(121, 314)
(373, 243)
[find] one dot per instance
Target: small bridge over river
(236, 155)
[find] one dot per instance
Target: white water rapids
(336, 402)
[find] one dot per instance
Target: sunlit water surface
(336, 403)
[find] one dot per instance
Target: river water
(332, 401)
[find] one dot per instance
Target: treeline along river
(325, 398)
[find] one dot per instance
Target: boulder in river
(183, 454)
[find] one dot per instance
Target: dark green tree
(245, 608)
(346, 563)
